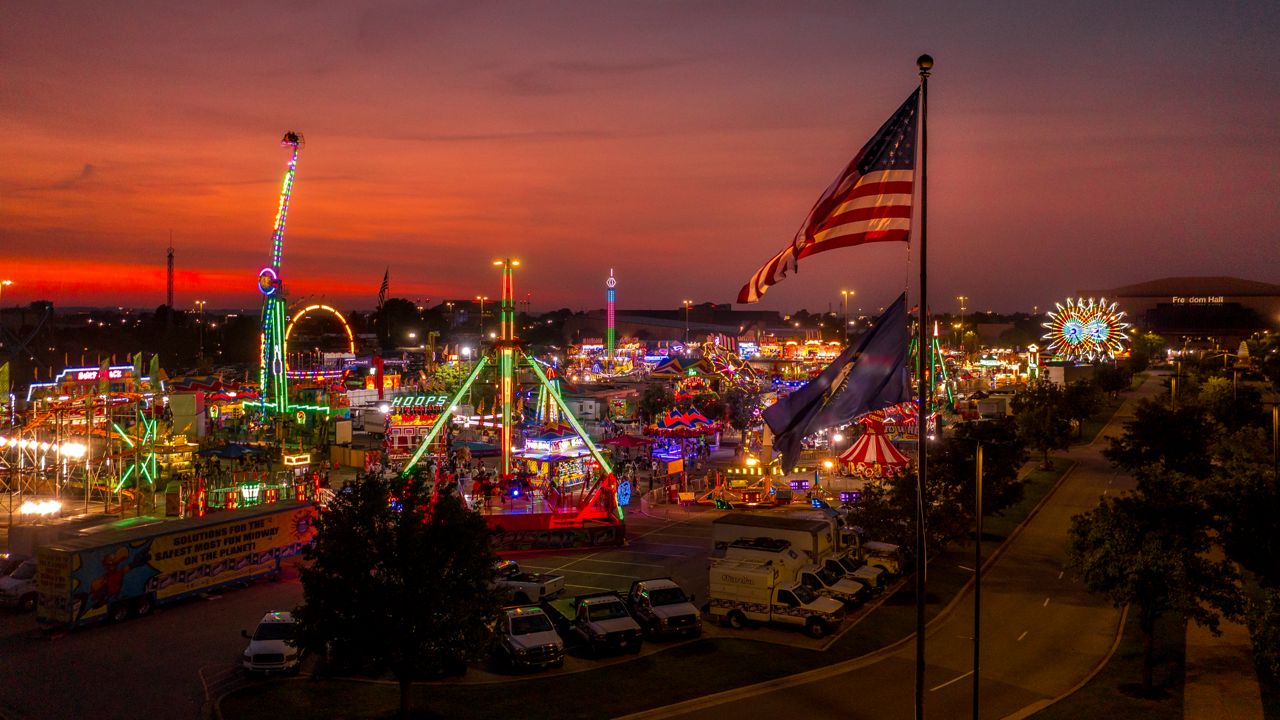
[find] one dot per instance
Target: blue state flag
(868, 375)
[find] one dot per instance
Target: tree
(1003, 454)
(654, 400)
(1157, 434)
(1111, 379)
(1244, 495)
(398, 581)
(742, 406)
(1148, 549)
(1264, 627)
(1040, 412)
(1082, 399)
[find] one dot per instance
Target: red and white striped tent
(872, 456)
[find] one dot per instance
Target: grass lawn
(997, 528)
(1093, 425)
(1110, 694)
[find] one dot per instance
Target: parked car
(526, 587)
(600, 620)
(18, 588)
(10, 562)
(271, 646)
(661, 608)
(528, 639)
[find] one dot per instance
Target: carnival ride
(1086, 330)
(273, 375)
(590, 516)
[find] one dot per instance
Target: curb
(822, 673)
(1039, 705)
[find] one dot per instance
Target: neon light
(351, 338)
(442, 420)
(269, 281)
(573, 422)
(1086, 330)
(611, 297)
(272, 374)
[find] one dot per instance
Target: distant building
(1224, 309)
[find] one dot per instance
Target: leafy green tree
(399, 582)
(742, 405)
(1003, 454)
(1149, 549)
(1178, 439)
(655, 399)
(1245, 497)
(1264, 627)
(1082, 400)
(886, 512)
(1040, 412)
(1112, 379)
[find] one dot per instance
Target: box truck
(129, 568)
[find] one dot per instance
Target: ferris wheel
(1086, 330)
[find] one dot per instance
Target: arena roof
(1167, 287)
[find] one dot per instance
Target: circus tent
(874, 456)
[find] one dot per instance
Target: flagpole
(924, 369)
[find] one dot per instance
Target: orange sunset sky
(680, 143)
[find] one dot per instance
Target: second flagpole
(923, 376)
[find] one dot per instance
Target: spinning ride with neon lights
(560, 515)
(1086, 330)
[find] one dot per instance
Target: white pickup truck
(524, 587)
(528, 639)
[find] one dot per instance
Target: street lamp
(200, 324)
(482, 298)
(687, 305)
(4, 284)
(962, 299)
(845, 295)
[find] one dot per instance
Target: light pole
(977, 578)
(687, 304)
(200, 325)
(4, 284)
(482, 298)
(845, 295)
(962, 299)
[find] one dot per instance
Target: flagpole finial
(925, 63)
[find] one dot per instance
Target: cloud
(86, 173)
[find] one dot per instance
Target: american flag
(382, 291)
(869, 202)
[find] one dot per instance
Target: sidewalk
(1221, 681)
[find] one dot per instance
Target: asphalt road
(1041, 632)
(168, 665)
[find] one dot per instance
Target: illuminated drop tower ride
(506, 347)
(271, 375)
(611, 298)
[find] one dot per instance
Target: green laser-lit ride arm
(444, 417)
(564, 409)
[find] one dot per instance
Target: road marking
(664, 544)
(1046, 603)
(593, 587)
(953, 680)
(1060, 574)
(588, 572)
(965, 567)
(1024, 634)
(621, 562)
